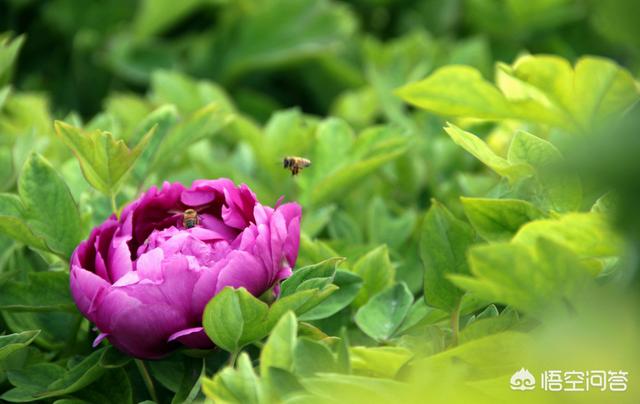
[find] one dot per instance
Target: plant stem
(114, 207)
(455, 323)
(148, 381)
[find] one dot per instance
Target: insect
(190, 218)
(295, 164)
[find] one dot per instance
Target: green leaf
(499, 219)
(13, 342)
(45, 380)
(57, 328)
(112, 358)
(31, 381)
(234, 318)
(559, 189)
(533, 278)
(586, 96)
(587, 234)
(488, 357)
(13, 222)
(349, 285)
(282, 384)
(278, 350)
(484, 326)
(104, 160)
(299, 302)
(239, 385)
(281, 31)
(383, 228)
(379, 361)
(536, 88)
(77, 377)
(333, 186)
(381, 316)
(43, 291)
(162, 119)
(152, 16)
(190, 384)
(457, 91)
(202, 123)
(49, 208)
(9, 49)
(334, 140)
(356, 389)
(314, 276)
(376, 271)
(186, 93)
(113, 386)
(443, 246)
(311, 357)
(479, 149)
(169, 371)
(343, 226)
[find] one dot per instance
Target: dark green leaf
(43, 291)
(12, 342)
(443, 247)
(50, 210)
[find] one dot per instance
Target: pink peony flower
(144, 279)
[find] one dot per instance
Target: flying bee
(295, 164)
(190, 218)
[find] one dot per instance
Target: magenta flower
(144, 279)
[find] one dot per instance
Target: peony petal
(149, 265)
(99, 339)
(292, 213)
(138, 329)
(197, 197)
(130, 278)
(206, 286)
(119, 259)
(85, 288)
(194, 337)
(244, 270)
(216, 226)
(278, 230)
(292, 243)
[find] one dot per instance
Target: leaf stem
(148, 381)
(232, 358)
(455, 323)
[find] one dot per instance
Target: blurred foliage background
(277, 54)
(233, 86)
